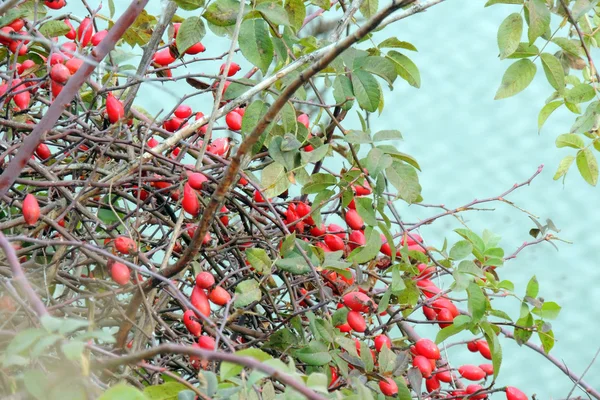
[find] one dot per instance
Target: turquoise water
(470, 146)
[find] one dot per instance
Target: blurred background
(470, 146)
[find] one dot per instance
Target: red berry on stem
(423, 365)
(354, 220)
(183, 111)
(356, 321)
(484, 349)
(196, 180)
(114, 108)
(388, 387)
(487, 368)
(428, 348)
(60, 73)
(357, 301)
(98, 37)
(124, 245)
(120, 273)
(85, 31)
(471, 372)
(191, 324)
(207, 343)
(233, 69)
(382, 340)
(233, 121)
(199, 300)
(512, 393)
(334, 242)
(43, 151)
(31, 209)
(190, 201)
(205, 280)
(219, 296)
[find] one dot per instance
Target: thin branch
(588, 389)
(215, 356)
(20, 278)
(7, 5)
(67, 94)
(580, 34)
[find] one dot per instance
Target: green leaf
(389, 134)
(590, 120)
(403, 391)
(554, 71)
(461, 249)
(318, 183)
(342, 91)
(294, 265)
(111, 8)
(477, 302)
(570, 46)
(539, 19)
(546, 111)
(404, 178)
(274, 180)
(494, 346)
(259, 259)
(189, 5)
(256, 44)
(580, 94)
(122, 391)
(315, 353)
(380, 66)
(36, 383)
(525, 50)
(166, 391)
(377, 161)
(509, 34)
(395, 43)
(273, 12)
(367, 90)
(368, 8)
(12, 14)
(222, 12)
(391, 150)
(563, 167)
(73, 349)
(357, 137)
(492, 2)
(570, 140)
(587, 166)
(549, 310)
(364, 207)
(24, 340)
(296, 13)
(54, 29)
(547, 339)
(386, 360)
(533, 287)
(254, 112)
(247, 292)
(42, 345)
(449, 331)
(405, 68)
(191, 32)
(370, 249)
(516, 78)
(229, 370)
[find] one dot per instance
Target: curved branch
(215, 356)
(20, 278)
